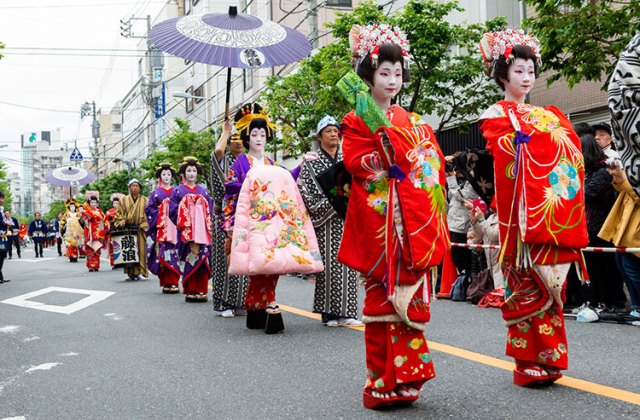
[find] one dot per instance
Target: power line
(58, 6)
(37, 108)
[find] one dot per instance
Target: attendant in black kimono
(228, 291)
(38, 233)
(336, 295)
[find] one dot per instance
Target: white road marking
(69, 354)
(44, 366)
(15, 418)
(94, 296)
(9, 329)
(33, 338)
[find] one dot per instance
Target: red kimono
(94, 234)
(539, 177)
(394, 232)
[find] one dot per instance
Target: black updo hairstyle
(165, 167)
(256, 122)
(388, 52)
(501, 66)
(190, 161)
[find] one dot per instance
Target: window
(116, 128)
(247, 79)
(199, 92)
(189, 101)
(339, 3)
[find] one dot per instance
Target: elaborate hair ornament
(235, 138)
(365, 40)
(164, 166)
(496, 44)
(190, 161)
(116, 196)
(71, 201)
(89, 194)
(249, 115)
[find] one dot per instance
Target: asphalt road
(139, 354)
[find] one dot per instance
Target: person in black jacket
(13, 235)
(38, 232)
(606, 292)
(3, 237)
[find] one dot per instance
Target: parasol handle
(226, 105)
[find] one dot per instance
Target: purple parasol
(69, 176)
(230, 40)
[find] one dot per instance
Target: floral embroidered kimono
(336, 293)
(539, 177)
(161, 238)
(190, 210)
(228, 291)
(261, 289)
(109, 219)
(94, 234)
(395, 231)
(73, 234)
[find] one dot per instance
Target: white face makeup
(115, 204)
(257, 139)
(387, 81)
(191, 174)
(93, 204)
(72, 207)
(522, 77)
(165, 177)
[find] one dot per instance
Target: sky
(60, 54)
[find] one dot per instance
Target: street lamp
(185, 95)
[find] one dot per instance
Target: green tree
(582, 40)
(55, 208)
(1, 47)
(451, 86)
(183, 143)
(115, 182)
(4, 186)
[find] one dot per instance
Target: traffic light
(125, 28)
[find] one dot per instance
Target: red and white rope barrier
(587, 249)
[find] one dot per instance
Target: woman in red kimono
(539, 178)
(396, 228)
(94, 230)
(109, 219)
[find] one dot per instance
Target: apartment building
(204, 85)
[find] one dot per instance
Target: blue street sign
(160, 106)
(75, 155)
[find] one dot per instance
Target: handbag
(481, 284)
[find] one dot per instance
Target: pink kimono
(272, 233)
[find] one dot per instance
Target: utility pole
(313, 22)
(86, 110)
(151, 80)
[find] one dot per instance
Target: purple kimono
(160, 255)
(196, 270)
